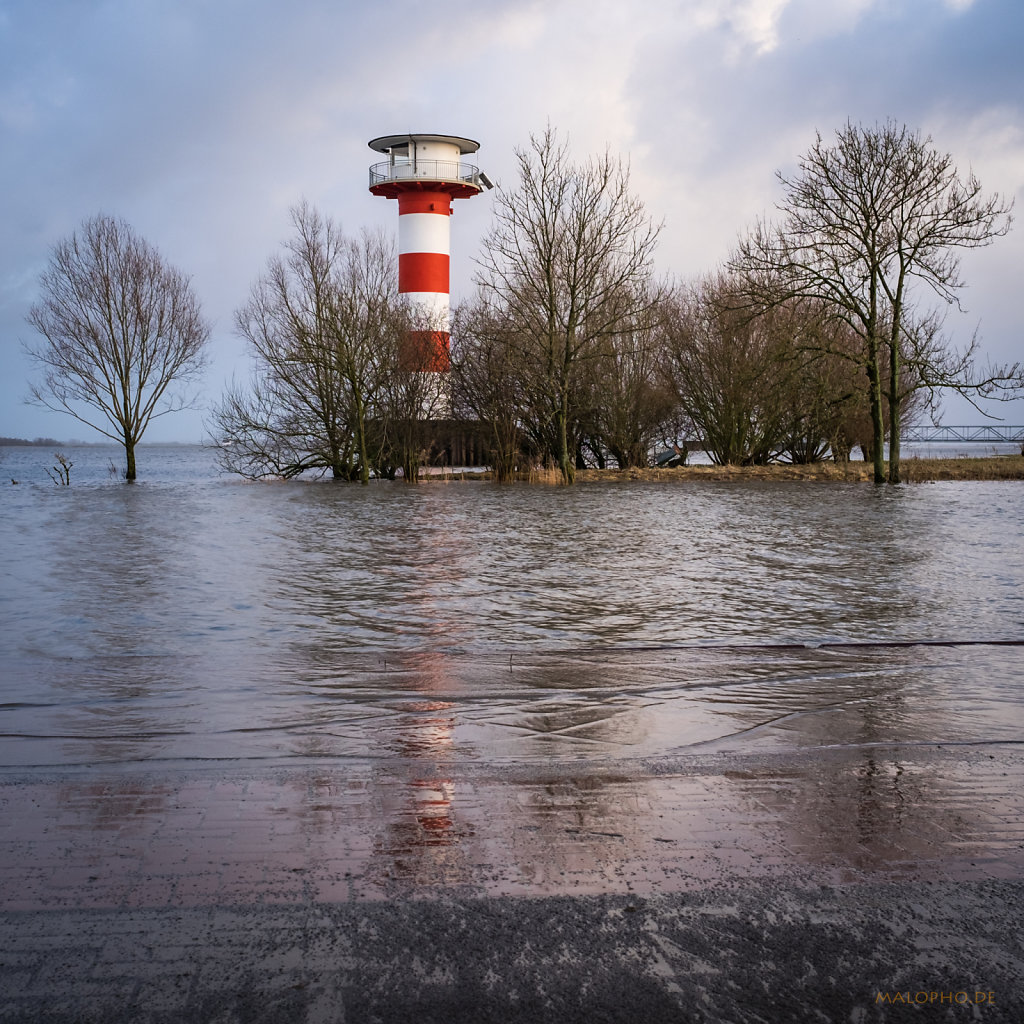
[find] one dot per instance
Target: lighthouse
(425, 173)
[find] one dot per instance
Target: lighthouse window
(400, 154)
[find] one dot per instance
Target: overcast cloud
(202, 122)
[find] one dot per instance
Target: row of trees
(690, 363)
(818, 335)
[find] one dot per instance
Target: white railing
(425, 170)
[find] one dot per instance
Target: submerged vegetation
(61, 473)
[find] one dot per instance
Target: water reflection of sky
(328, 570)
(210, 618)
(453, 709)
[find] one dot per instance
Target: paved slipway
(829, 886)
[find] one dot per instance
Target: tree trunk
(894, 414)
(129, 454)
(566, 463)
(364, 462)
(877, 420)
(338, 470)
(503, 455)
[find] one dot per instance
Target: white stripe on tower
(424, 232)
(429, 307)
(423, 273)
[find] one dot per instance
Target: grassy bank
(913, 470)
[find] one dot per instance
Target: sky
(203, 122)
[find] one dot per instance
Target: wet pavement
(748, 953)
(820, 884)
(378, 830)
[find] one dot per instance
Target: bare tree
(632, 405)
(488, 385)
(864, 222)
(566, 246)
(120, 326)
(822, 400)
(371, 322)
(732, 371)
(323, 324)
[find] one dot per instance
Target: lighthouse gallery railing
(424, 170)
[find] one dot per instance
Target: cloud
(755, 22)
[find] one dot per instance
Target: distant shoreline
(39, 442)
(49, 442)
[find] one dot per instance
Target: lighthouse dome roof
(386, 142)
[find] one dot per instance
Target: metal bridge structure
(976, 434)
(984, 434)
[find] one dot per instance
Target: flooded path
(387, 830)
(642, 771)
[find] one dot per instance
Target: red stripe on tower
(423, 272)
(424, 201)
(425, 352)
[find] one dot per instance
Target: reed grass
(913, 470)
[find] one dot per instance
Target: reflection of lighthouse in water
(425, 173)
(422, 840)
(429, 734)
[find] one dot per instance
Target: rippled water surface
(195, 616)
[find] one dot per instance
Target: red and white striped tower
(425, 173)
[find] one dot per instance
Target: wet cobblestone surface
(388, 890)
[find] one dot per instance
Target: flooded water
(214, 690)
(196, 616)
